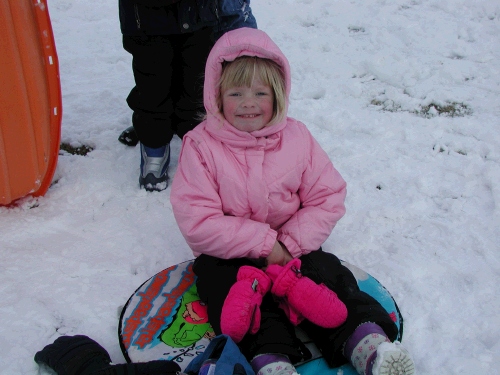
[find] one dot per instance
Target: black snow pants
(276, 333)
(168, 95)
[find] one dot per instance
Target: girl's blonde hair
(242, 71)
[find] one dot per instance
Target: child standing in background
(255, 197)
(169, 41)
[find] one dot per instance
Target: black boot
(80, 355)
(129, 137)
(72, 355)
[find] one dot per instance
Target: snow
(370, 78)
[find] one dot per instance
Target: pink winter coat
(235, 193)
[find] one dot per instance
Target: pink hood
(235, 193)
(240, 42)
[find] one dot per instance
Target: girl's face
(248, 108)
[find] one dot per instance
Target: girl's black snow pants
(168, 95)
(276, 333)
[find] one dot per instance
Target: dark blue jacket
(165, 17)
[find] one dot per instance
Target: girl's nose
(248, 102)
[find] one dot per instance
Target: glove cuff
(263, 284)
(284, 278)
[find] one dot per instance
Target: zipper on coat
(137, 18)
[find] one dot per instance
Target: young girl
(255, 197)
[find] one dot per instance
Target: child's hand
(279, 255)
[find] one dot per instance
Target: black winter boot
(80, 355)
(72, 355)
(129, 137)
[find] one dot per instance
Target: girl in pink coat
(255, 197)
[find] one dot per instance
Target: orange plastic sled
(30, 100)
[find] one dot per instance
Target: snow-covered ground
(405, 97)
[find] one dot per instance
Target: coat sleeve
(322, 195)
(198, 211)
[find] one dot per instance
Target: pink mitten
(241, 312)
(303, 298)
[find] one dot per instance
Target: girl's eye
(234, 94)
(261, 93)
